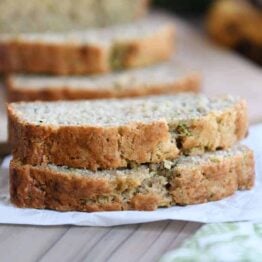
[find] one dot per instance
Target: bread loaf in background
(237, 24)
(29, 16)
(164, 78)
(98, 50)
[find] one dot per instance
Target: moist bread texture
(187, 180)
(99, 50)
(170, 77)
(103, 134)
(57, 16)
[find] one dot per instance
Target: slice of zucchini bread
(113, 133)
(57, 16)
(166, 78)
(187, 180)
(99, 50)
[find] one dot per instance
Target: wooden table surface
(224, 72)
(144, 242)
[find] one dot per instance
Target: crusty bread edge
(188, 83)
(35, 187)
(93, 146)
(147, 50)
(79, 59)
(214, 181)
(96, 147)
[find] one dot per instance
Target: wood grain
(144, 242)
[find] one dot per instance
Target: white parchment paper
(243, 206)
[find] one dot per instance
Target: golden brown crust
(150, 50)
(241, 121)
(76, 59)
(146, 202)
(217, 131)
(112, 147)
(234, 24)
(214, 181)
(245, 169)
(60, 59)
(39, 187)
(93, 147)
(190, 83)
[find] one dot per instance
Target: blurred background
(193, 7)
(234, 24)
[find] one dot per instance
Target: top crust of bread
(111, 133)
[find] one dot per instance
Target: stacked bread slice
(140, 152)
(122, 60)
(99, 50)
(165, 78)
(126, 154)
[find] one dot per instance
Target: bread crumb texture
(144, 42)
(111, 133)
(187, 180)
(164, 78)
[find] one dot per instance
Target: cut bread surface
(187, 180)
(170, 77)
(116, 133)
(120, 112)
(97, 36)
(99, 50)
(50, 15)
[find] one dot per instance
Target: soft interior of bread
(173, 109)
(152, 178)
(165, 73)
(106, 36)
(50, 15)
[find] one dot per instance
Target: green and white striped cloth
(226, 242)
